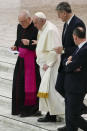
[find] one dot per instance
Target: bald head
(79, 35)
(24, 18)
(80, 32)
(39, 19)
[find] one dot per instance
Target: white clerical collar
(68, 22)
(81, 44)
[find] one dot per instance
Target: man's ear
(64, 12)
(76, 37)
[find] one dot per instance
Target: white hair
(40, 15)
(25, 13)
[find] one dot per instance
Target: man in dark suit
(71, 22)
(75, 83)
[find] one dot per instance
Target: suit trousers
(73, 104)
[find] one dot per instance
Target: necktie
(66, 26)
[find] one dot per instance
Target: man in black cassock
(24, 94)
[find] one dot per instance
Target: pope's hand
(45, 67)
(58, 50)
(34, 42)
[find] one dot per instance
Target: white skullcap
(40, 15)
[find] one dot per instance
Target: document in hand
(13, 51)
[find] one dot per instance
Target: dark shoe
(50, 118)
(62, 129)
(38, 113)
(24, 115)
(15, 114)
(45, 119)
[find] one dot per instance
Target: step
(6, 88)
(6, 84)
(7, 124)
(5, 110)
(5, 103)
(6, 56)
(6, 70)
(8, 60)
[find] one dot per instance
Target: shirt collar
(79, 46)
(68, 22)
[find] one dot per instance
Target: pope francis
(48, 38)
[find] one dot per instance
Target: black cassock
(18, 93)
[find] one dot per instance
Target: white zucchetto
(40, 15)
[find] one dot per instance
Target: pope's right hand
(34, 42)
(58, 50)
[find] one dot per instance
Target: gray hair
(25, 13)
(64, 6)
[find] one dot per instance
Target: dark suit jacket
(67, 39)
(76, 82)
(69, 47)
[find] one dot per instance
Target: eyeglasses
(23, 21)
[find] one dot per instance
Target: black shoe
(15, 114)
(45, 119)
(62, 129)
(25, 115)
(50, 118)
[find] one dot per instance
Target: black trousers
(73, 104)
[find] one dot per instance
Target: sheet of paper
(13, 51)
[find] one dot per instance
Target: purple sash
(30, 75)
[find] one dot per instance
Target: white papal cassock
(50, 100)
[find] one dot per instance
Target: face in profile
(62, 15)
(38, 23)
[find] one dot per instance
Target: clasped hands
(69, 60)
